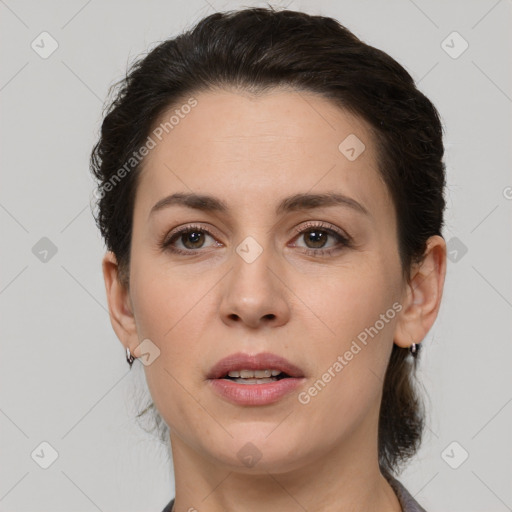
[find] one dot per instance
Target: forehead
(242, 147)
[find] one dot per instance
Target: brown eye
(192, 239)
(188, 240)
(321, 240)
(317, 238)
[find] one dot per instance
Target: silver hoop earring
(129, 357)
(414, 348)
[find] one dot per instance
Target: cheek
(174, 312)
(165, 298)
(358, 312)
(348, 301)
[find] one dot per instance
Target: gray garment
(408, 503)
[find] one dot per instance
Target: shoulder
(408, 503)
(169, 506)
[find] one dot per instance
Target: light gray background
(64, 378)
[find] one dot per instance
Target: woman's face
(270, 273)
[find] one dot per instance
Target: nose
(254, 292)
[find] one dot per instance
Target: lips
(248, 392)
(262, 361)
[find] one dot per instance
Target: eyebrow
(295, 202)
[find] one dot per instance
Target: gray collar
(408, 503)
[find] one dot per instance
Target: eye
(191, 238)
(316, 237)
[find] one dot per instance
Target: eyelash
(345, 241)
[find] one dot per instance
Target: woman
(271, 197)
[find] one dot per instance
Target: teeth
(250, 374)
(255, 381)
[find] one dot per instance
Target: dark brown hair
(258, 49)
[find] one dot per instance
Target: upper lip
(262, 361)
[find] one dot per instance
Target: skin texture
(251, 152)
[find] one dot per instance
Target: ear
(119, 304)
(422, 297)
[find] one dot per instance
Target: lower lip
(255, 394)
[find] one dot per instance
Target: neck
(346, 478)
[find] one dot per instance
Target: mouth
(255, 368)
(256, 376)
(250, 380)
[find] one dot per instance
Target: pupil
(194, 237)
(319, 236)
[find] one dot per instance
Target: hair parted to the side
(256, 50)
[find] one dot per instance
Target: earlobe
(119, 305)
(423, 295)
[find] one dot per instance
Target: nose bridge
(252, 264)
(253, 291)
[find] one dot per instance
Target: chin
(253, 451)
